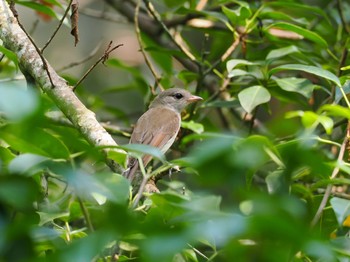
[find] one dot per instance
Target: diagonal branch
(32, 64)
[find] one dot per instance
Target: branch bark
(31, 64)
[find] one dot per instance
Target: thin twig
(102, 59)
(58, 27)
(46, 68)
(334, 174)
(86, 215)
(91, 55)
(148, 62)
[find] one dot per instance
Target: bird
(160, 124)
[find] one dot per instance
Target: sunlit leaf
(141, 149)
(253, 96)
(301, 31)
(293, 84)
(280, 52)
(309, 69)
(191, 125)
(341, 208)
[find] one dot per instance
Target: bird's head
(175, 98)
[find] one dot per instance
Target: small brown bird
(159, 125)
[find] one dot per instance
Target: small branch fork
(102, 59)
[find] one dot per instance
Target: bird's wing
(159, 131)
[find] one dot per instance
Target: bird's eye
(178, 96)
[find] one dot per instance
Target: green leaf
(279, 16)
(341, 208)
(280, 52)
(237, 16)
(5, 158)
(22, 145)
(311, 120)
(301, 31)
(231, 64)
(253, 96)
(299, 8)
(118, 156)
(116, 187)
(49, 217)
(191, 125)
(24, 162)
(10, 55)
(292, 84)
(17, 102)
(39, 142)
(309, 69)
(237, 72)
(335, 110)
(140, 150)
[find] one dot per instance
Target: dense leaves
(259, 171)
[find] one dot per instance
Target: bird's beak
(193, 99)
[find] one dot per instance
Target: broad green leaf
(17, 102)
(280, 52)
(253, 96)
(5, 157)
(299, 8)
(117, 156)
(49, 217)
(39, 142)
(237, 72)
(327, 123)
(341, 208)
(191, 125)
(231, 64)
(309, 69)
(22, 145)
(279, 16)
(311, 120)
(140, 150)
(9, 54)
(116, 185)
(24, 162)
(293, 84)
(238, 15)
(312, 36)
(335, 110)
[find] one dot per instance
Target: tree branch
(32, 64)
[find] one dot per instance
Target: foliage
(256, 158)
